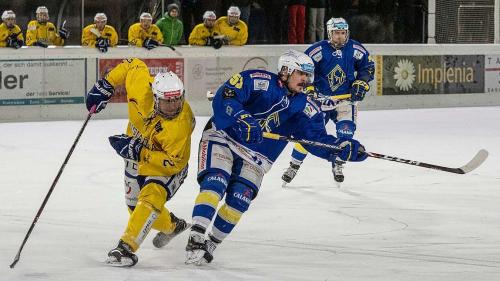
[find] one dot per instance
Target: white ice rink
(388, 221)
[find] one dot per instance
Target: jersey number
(237, 81)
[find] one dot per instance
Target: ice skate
(337, 167)
(290, 173)
(161, 239)
(199, 250)
(122, 256)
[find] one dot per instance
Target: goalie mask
(42, 14)
(168, 91)
(338, 32)
(299, 63)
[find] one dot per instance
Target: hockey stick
(35, 220)
(476, 161)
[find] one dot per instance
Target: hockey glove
(63, 33)
(127, 147)
(13, 42)
(248, 127)
(352, 150)
(40, 44)
(102, 44)
(99, 95)
(358, 90)
(210, 41)
(150, 44)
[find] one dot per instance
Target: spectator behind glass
(235, 31)
(41, 32)
(296, 21)
(316, 18)
(276, 18)
(171, 26)
(99, 34)
(191, 12)
(144, 33)
(205, 34)
(10, 33)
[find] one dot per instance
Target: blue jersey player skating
(233, 156)
(343, 68)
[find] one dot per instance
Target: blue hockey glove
(248, 127)
(358, 90)
(102, 44)
(352, 150)
(150, 44)
(63, 33)
(127, 147)
(99, 95)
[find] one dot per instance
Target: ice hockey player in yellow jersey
(235, 31)
(156, 150)
(41, 32)
(145, 33)
(99, 34)
(10, 33)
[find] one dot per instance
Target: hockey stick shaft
(478, 159)
(56, 179)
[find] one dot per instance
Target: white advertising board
(42, 81)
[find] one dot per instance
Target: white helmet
(337, 24)
(168, 91)
(42, 14)
(209, 15)
(100, 17)
(146, 16)
(8, 14)
(233, 15)
(295, 60)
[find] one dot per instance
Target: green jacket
(171, 28)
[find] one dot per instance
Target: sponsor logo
(260, 75)
(242, 197)
(203, 155)
(317, 57)
(358, 47)
(218, 178)
(358, 55)
(309, 110)
(259, 84)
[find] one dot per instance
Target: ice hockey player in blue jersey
(343, 68)
(233, 156)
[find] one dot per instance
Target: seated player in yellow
(145, 33)
(10, 34)
(99, 34)
(41, 32)
(156, 150)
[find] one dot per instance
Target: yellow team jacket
(137, 35)
(167, 143)
(45, 32)
(5, 32)
(89, 38)
(200, 33)
(238, 34)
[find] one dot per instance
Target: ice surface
(388, 221)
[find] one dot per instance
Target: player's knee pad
(215, 182)
(153, 194)
(345, 129)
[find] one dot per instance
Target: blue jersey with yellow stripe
(262, 94)
(336, 69)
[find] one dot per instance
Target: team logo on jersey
(260, 75)
(259, 84)
(358, 55)
(336, 78)
(309, 110)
